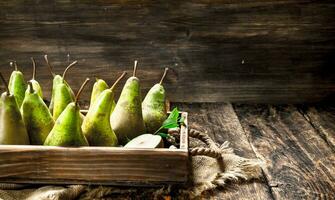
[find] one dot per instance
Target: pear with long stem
(153, 106)
(34, 83)
(126, 119)
(67, 130)
(12, 128)
(98, 87)
(58, 79)
(62, 95)
(96, 125)
(17, 84)
(36, 116)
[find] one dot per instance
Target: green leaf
(174, 114)
(171, 121)
(163, 135)
(170, 125)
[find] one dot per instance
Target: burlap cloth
(212, 166)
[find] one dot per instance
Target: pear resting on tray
(130, 122)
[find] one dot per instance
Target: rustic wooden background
(241, 51)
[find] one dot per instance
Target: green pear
(153, 106)
(62, 98)
(96, 126)
(12, 128)
(126, 119)
(62, 94)
(36, 116)
(17, 85)
(34, 83)
(58, 79)
(98, 87)
(67, 129)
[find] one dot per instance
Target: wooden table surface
(296, 143)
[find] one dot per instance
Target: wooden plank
(91, 165)
(241, 51)
(95, 165)
(322, 118)
(222, 124)
(299, 163)
(184, 133)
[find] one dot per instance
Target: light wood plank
(91, 165)
(95, 165)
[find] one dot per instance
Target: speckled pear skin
(55, 82)
(12, 128)
(126, 119)
(96, 125)
(37, 118)
(98, 87)
(17, 86)
(62, 97)
(36, 87)
(67, 129)
(153, 108)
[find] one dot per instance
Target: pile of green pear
(26, 119)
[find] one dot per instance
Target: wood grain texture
(322, 118)
(240, 51)
(95, 165)
(222, 124)
(91, 165)
(299, 163)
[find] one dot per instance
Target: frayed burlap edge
(214, 166)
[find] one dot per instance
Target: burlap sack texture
(211, 166)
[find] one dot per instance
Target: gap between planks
(299, 161)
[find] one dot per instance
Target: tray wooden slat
(94, 165)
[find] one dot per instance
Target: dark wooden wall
(241, 51)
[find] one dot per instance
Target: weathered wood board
(299, 162)
(91, 165)
(240, 51)
(95, 165)
(322, 118)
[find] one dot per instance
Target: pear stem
(15, 65)
(49, 66)
(34, 68)
(118, 80)
(67, 68)
(31, 89)
(80, 90)
(165, 72)
(5, 82)
(135, 68)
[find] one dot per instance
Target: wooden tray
(95, 165)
